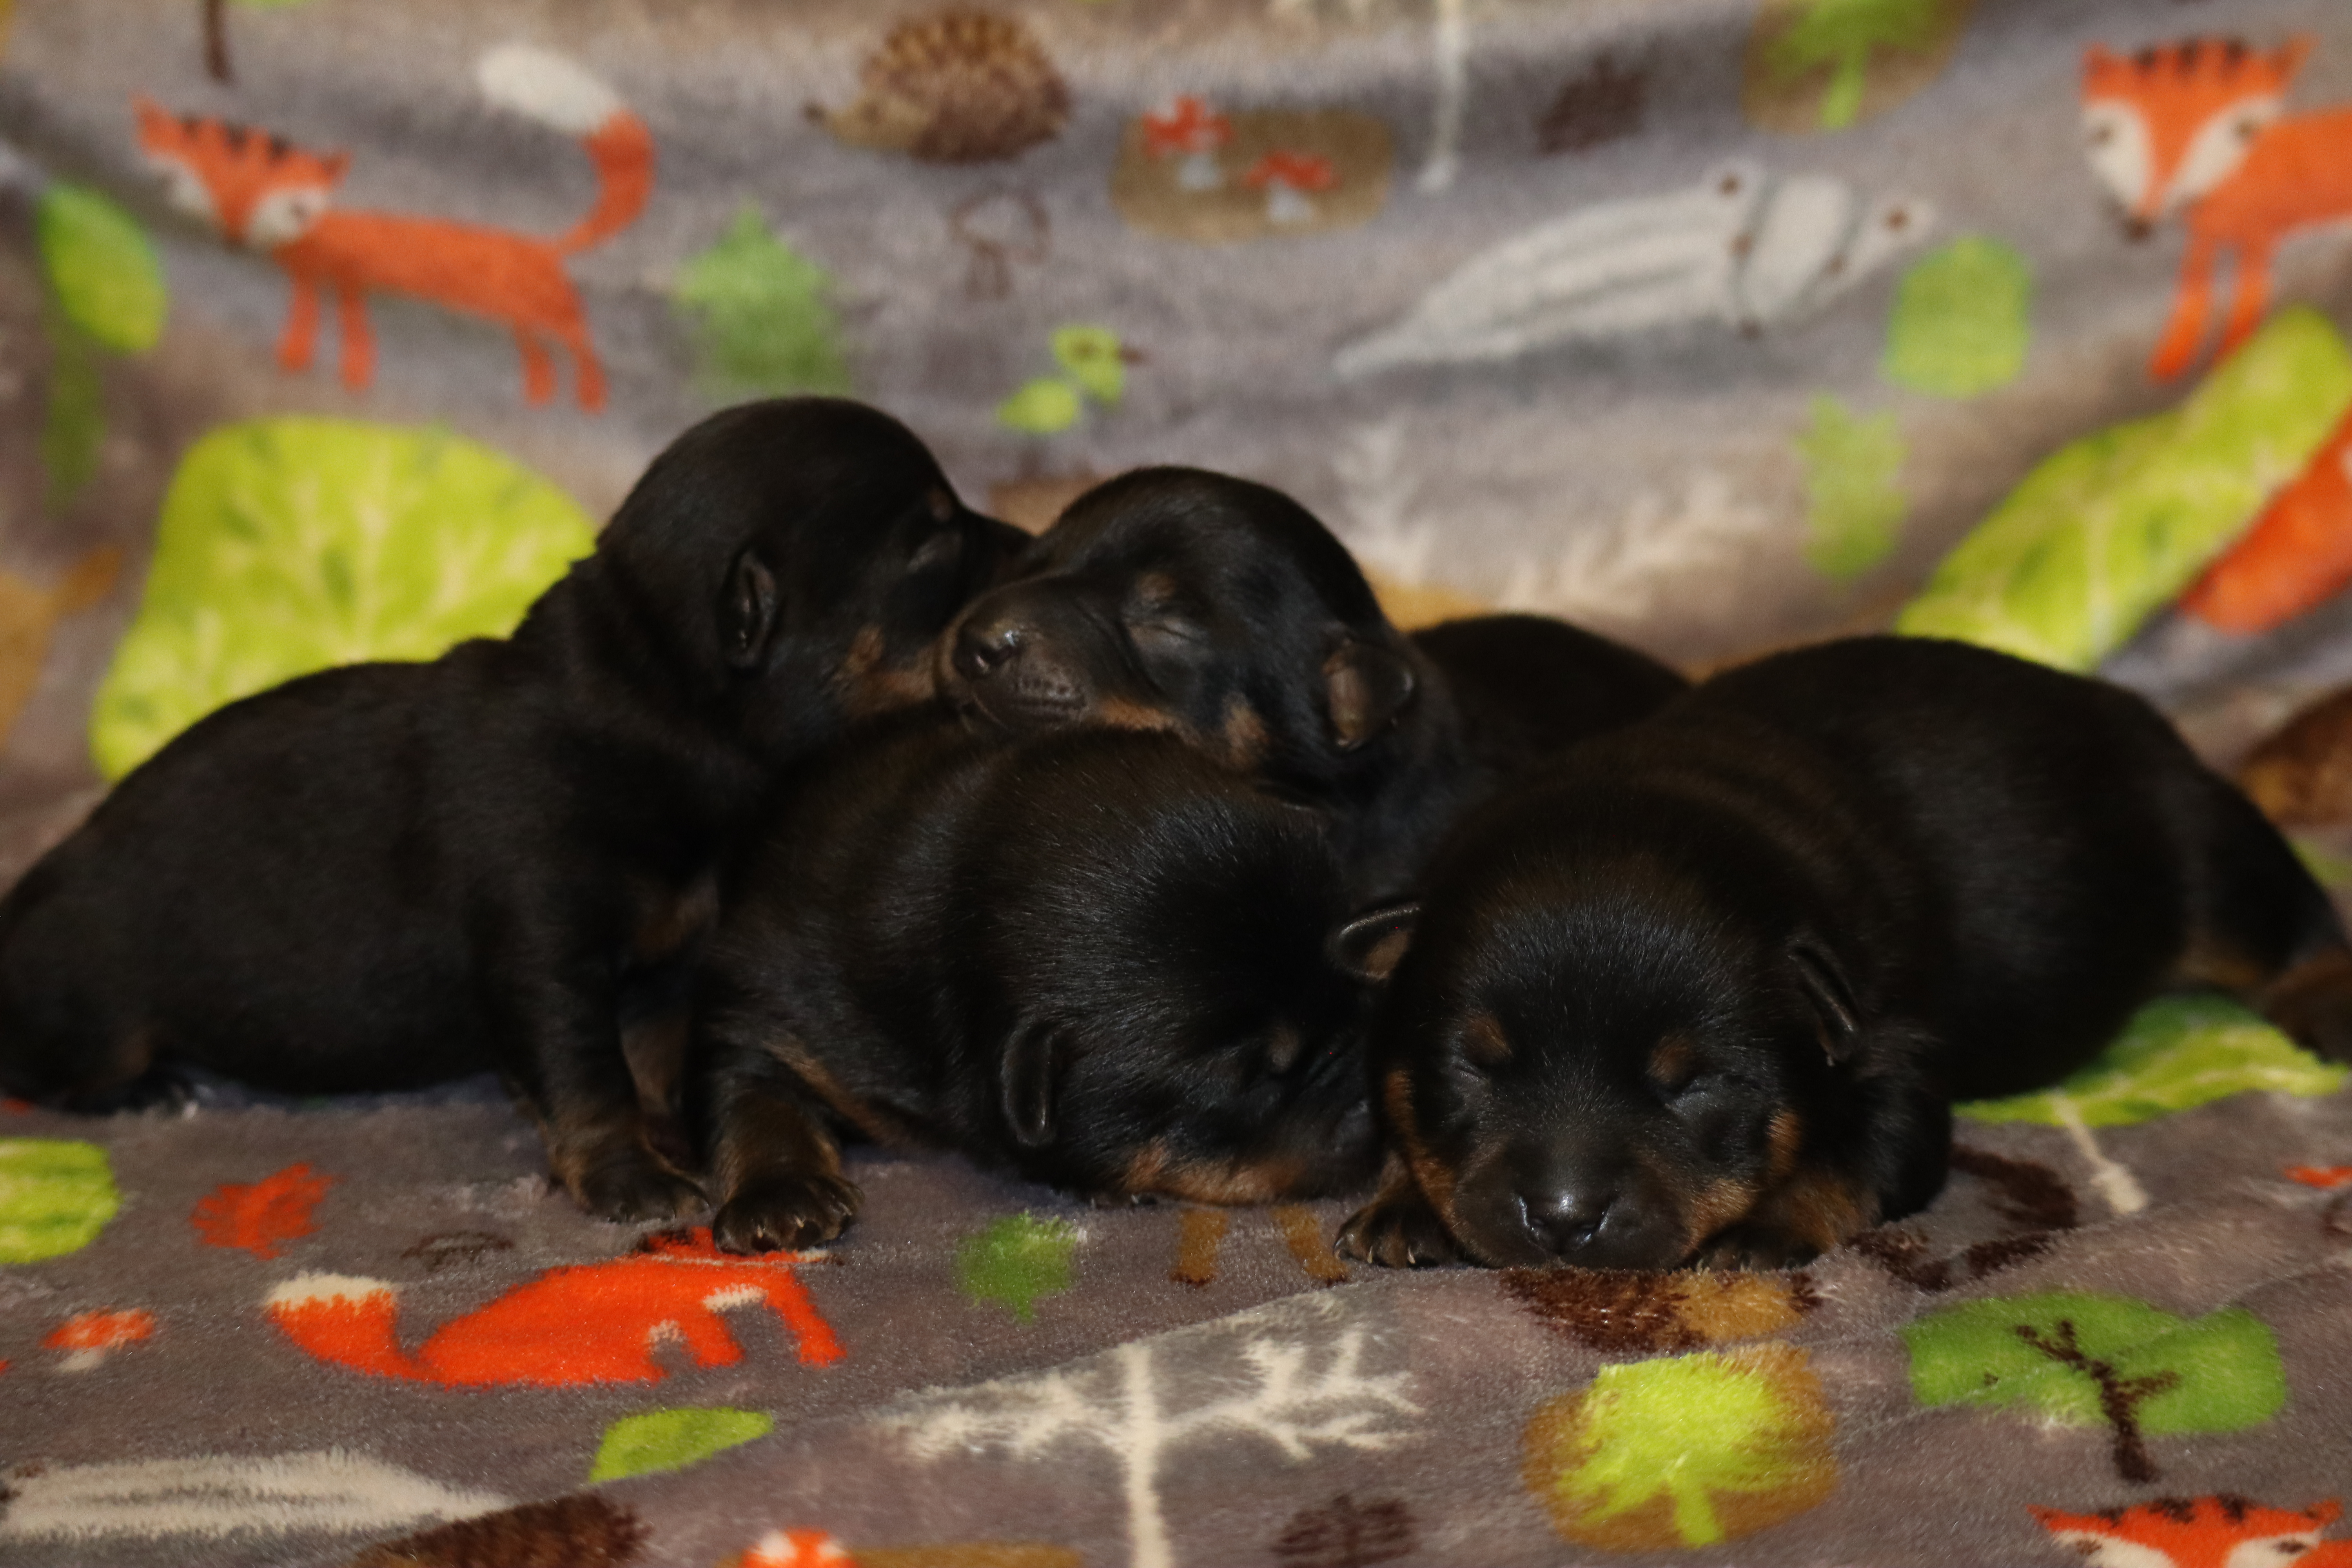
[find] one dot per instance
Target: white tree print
(1618, 575)
(1298, 1394)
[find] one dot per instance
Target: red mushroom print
(1190, 128)
(88, 1337)
(1287, 179)
(797, 1548)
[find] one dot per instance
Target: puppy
(1092, 958)
(1220, 611)
(1707, 991)
(388, 874)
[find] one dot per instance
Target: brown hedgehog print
(954, 87)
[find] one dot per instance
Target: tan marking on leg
(1715, 1206)
(1303, 1234)
(2209, 961)
(1822, 1209)
(1237, 1181)
(1198, 1232)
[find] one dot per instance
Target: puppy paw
(1397, 1232)
(781, 1214)
(1757, 1251)
(637, 1190)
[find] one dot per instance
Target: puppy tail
(349, 1322)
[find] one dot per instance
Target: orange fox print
(592, 1322)
(2200, 127)
(2222, 1531)
(263, 193)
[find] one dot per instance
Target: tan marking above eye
(1483, 1040)
(1672, 1062)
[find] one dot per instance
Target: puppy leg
(1400, 1228)
(561, 1037)
(1814, 1210)
(777, 1169)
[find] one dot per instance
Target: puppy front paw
(1398, 1231)
(1754, 1249)
(782, 1214)
(635, 1190)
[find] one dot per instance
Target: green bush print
(290, 544)
(2176, 1053)
(2111, 527)
(760, 315)
(1962, 320)
(1015, 1260)
(1854, 507)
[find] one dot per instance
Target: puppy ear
(747, 613)
(1364, 685)
(1369, 946)
(1836, 1019)
(1032, 1056)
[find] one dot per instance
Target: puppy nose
(985, 647)
(1568, 1221)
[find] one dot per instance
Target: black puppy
(1093, 957)
(1222, 612)
(388, 874)
(1705, 992)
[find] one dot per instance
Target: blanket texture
(330, 329)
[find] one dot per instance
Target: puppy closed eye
(1675, 1065)
(1483, 1044)
(941, 549)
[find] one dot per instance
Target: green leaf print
(290, 544)
(56, 1196)
(100, 268)
(1015, 1260)
(1093, 357)
(673, 1439)
(2176, 1053)
(1046, 407)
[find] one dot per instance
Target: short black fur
(1223, 612)
(388, 874)
(1091, 957)
(1707, 990)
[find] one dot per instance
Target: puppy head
(796, 558)
(1173, 1016)
(1602, 1061)
(1209, 607)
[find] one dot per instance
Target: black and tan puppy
(1706, 992)
(389, 874)
(1222, 612)
(1093, 957)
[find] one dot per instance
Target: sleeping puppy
(1705, 992)
(1092, 958)
(1222, 612)
(388, 874)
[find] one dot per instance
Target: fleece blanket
(330, 330)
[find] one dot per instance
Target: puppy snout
(1567, 1222)
(984, 646)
